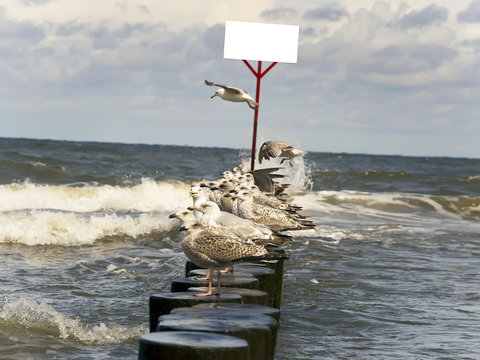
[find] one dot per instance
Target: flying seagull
(272, 149)
(234, 94)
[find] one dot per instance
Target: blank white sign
(263, 42)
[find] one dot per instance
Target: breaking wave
(38, 317)
(66, 215)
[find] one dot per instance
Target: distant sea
(392, 270)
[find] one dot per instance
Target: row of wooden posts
(241, 323)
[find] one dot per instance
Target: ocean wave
(43, 227)
(148, 195)
(38, 317)
(471, 179)
(409, 206)
(67, 215)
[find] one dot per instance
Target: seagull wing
(231, 89)
(226, 249)
(271, 149)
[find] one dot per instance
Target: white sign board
(263, 42)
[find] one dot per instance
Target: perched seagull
(237, 226)
(234, 94)
(274, 219)
(272, 149)
(214, 250)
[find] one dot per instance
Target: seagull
(214, 250)
(274, 219)
(237, 226)
(234, 94)
(272, 149)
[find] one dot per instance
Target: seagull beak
(211, 97)
(192, 208)
(172, 216)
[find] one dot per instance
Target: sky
(399, 77)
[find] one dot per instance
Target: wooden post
(162, 304)
(174, 345)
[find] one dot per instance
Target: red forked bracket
(258, 74)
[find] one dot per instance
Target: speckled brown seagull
(231, 93)
(212, 249)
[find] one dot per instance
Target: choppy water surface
(392, 270)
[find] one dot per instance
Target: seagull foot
(201, 278)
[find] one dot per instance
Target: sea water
(392, 270)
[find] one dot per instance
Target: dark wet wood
(190, 345)
(189, 266)
(249, 296)
(264, 275)
(243, 308)
(258, 330)
(228, 280)
(162, 304)
(216, 310)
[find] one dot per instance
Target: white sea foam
(406, 208)
(35, 214)
(299, 176)
(148, 195)
(41, 227)
(40, 317)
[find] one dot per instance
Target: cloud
(330, 12)
(470, 14)
(374, 72)
(432, 14)
(279, 13)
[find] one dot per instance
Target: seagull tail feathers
(271, 255)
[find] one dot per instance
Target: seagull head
(219, 93)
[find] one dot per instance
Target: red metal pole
(258, 74)
(255, 118)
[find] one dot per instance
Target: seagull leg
(218, 284)
(210, 280)
(227, 270)
(290, 162)
(209, 274)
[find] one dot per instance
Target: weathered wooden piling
(214, 310)
(264, 275)
(189, 266)
(175, 345)
(162, 304)
(249, 296)
(258, 330)
(243, 308)
(228, 280)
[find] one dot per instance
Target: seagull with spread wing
(234, 94)
(273, 149)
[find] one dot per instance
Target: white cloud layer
(378, 77)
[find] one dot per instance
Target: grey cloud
(432, 14)
(470, 14)
(279, 13)
(214, 36)
(331, 12)
(433, 55)
(473, 43)
(70, 28)
(307, 31)
(16, 38)
(387, 51)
